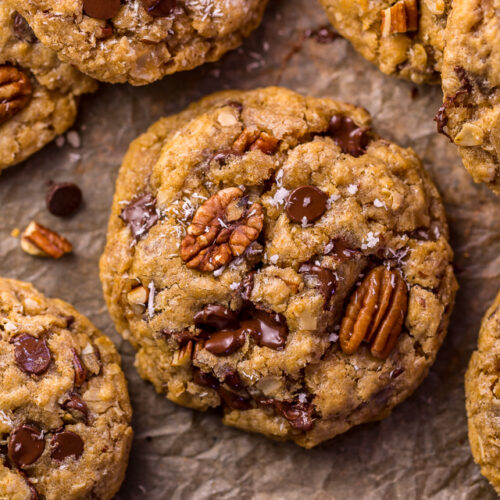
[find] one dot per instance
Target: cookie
(140, 41)
(471, 79)
(64, 407)
(38, 93)
(270, 254)
(482, 399)
(404, 38)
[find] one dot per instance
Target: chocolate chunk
(226, 342)
(268, 329)
(33, 492)
(101, 9)
(305, 204)
(140, 215)
(181, 337)
(247, 286)
(351, 138)
(63, 199)
(299, 415)
(234, 401)
(65, 444)
(215, 318)
(159, 8)
(233, 380)
(204, 379)
(222, 156)
(32, 355)
(76, 406)
(340, 250)
(22, 30)
(80, 370)
(397, 372)
(26, 445)
(325, 276)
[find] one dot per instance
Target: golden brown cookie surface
(481, 387)
(140, 41)
(253, 230)
(404, 38)
(38, 93)
(64, 407)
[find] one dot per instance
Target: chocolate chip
(299, 415)
(441, 120)
(76, 406)
(236, 105)
(26, 445)
(80, 370)
(268, 329)
(226, 342)
(247, 286)
(204, 379)
(32, 355)
(215, 318)
(22, 30)
(234, 401)
(101, 9)
(351, 138)
(233, 379)
(397, 372)
(105, 33)
(159, 8)
(63, 199)
(65, 444)
(325, 276)
(306, 204)
(140, 215)
(341, 251)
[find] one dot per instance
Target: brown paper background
(421, 451)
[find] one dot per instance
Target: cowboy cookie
(270, 254)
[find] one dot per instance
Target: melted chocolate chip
(140, 215)
(268, 329)
(181, 337)
(325, 276)
(215, 318)
(80, 370)
(235, 401)
(32, 355)
(233, 380)
(159, 8)
(226, 342)
(340, 251)
(101, 9)
(26, 445)
(306, 204)
(76, 406)
(299, 415)
(22, 29)
(63, 199)
(204, 379)
(65, 444)
(351, 138)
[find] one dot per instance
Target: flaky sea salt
(352, 189)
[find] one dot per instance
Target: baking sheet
(421, 451)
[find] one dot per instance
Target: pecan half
(253, 139)
(222, 228)
(15, 91)
(375, 313)
(42, 242)
(400, 18)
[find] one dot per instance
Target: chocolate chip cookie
(271, 254)
(140, 41)
(64, 408)
(471, 77)
(404, 38)
(482, 397)
(38, 93)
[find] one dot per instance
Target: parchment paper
(422, 450)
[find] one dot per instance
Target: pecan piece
(15, 91)
(375, 313)
(222, 228)
(400, 18)
(42, 242)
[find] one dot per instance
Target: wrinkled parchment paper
(422, 450)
